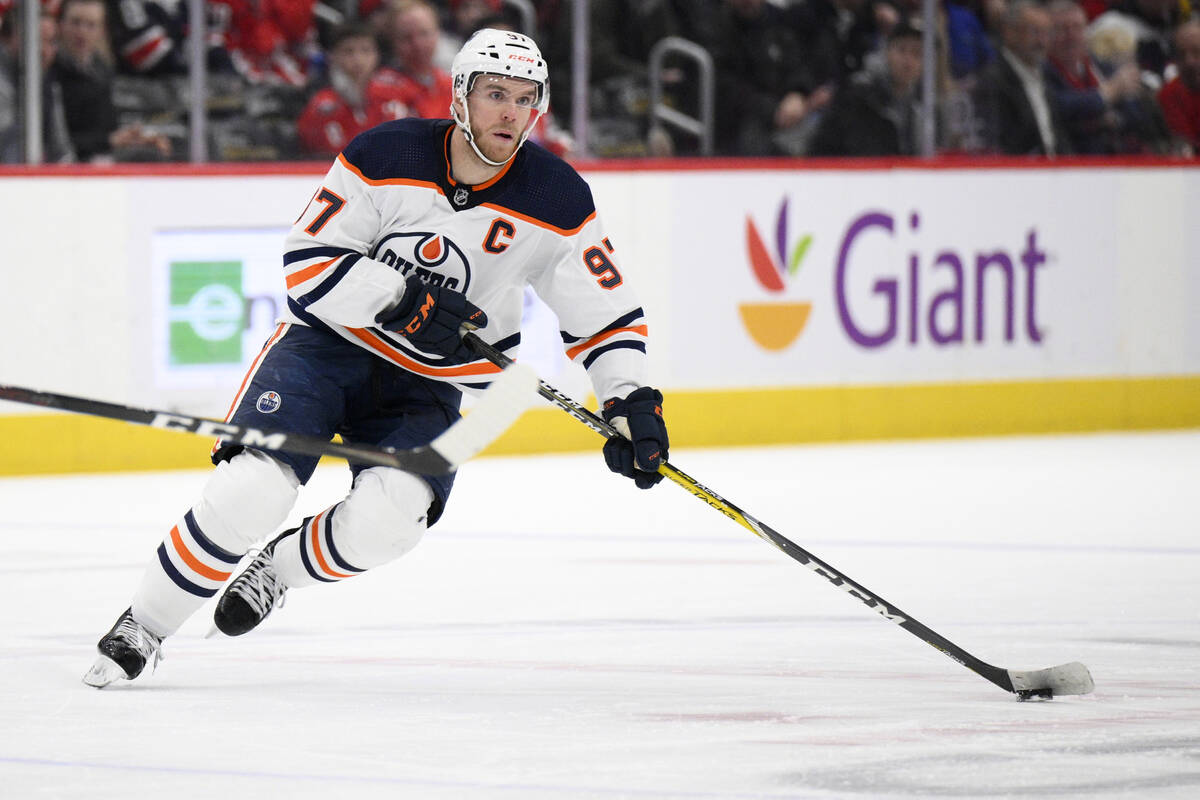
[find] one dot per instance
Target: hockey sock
(188, 568)
(245, 499)
(309, 556)
(381, 519)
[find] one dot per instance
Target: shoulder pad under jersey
(409, 148)
(548, 189)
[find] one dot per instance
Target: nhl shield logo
(269, 402)
(461, 196)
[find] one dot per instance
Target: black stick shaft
(422, 459)
(888, 611)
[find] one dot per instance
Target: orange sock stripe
(196, 565)
(316, 546)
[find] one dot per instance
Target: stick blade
(1072, 678)
(501, 404)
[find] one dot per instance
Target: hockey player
(421, 228)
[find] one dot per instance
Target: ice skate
(249, 599)
(124, 651)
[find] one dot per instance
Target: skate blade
(104, 672)
(213, 632)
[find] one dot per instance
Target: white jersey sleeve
(325, 267)
(602, 324)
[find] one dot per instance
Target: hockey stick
(497, 409)
(1072, 678)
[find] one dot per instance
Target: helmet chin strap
(464, 124)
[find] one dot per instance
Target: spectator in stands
(268, 41)
(10, 78)
(1104, 107)
(1012, 100)
(359, 95)
(56, 143)
(411, 27)
(622, 33)
(875, 113)
(1180, 99)
(970, 48)
(762, 84)
(836, 39)
(83, 69)
(1150, 23)
(148, 36)
(836, 36)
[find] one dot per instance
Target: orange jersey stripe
(460, 371)
(387, 181)
(479, 186)
(196, 565)
(237, 397)
(254, 368)
(600, 337)
(301, 275)
(316, 546)
(538, 222)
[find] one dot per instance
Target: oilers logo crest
(432, 257)
(269, 402)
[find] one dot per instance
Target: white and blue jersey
(389, 208)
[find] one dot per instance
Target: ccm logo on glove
(428, 306)
(431, 318)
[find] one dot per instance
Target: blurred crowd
(297, 79)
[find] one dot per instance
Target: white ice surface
(562, 635)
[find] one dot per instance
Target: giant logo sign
(924, 293)
(947, 318)
(775, 324)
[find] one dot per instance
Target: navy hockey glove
(643, 444)
(430, 317)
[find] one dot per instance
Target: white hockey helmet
(509, 55)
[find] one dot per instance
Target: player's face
(501, 109)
